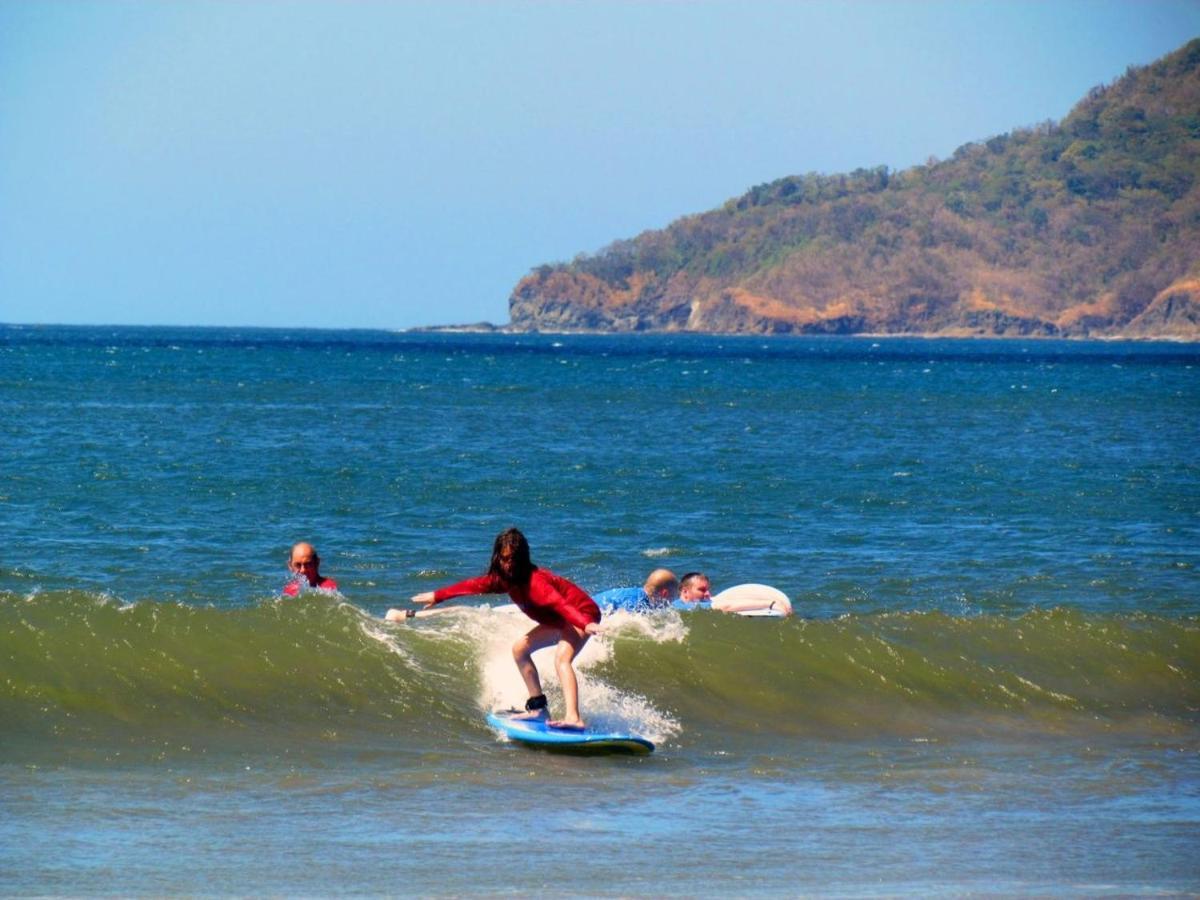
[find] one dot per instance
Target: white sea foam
(492, 630)
(378, 631)
(657, 552)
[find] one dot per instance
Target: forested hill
(1089, 226)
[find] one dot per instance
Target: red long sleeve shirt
(292, 588)
(548, 599)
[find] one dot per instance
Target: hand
(425, 599)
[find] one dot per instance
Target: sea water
(991, 685)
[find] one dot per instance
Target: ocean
(991, 685)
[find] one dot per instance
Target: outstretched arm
(484, 584)
(399, 615)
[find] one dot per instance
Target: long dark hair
(522, 568)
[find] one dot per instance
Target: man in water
(694, 592)
(659, 590)
(305, 565)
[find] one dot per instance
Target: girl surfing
(564, 613)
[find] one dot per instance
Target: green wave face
(77, 666)
(79, 670)
(930, 675)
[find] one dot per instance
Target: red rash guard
(292, 588)
(548, 599)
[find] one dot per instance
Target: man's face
(305, 562)
(697, 590)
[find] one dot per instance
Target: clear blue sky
(393, 164)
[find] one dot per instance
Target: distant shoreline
(488, 328)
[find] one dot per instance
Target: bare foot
(530, 714)
(574, 725)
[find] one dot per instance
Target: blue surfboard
(589, 740)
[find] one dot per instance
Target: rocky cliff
(1085, 227)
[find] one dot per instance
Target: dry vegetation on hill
(1090, 226)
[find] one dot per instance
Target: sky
(398, 164)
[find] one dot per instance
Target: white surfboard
(759, 600)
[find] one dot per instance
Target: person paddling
(660, 589)
(694, 592)
(564, 613)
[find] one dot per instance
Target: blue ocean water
(992, 682)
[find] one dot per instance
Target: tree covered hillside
(1090, 226)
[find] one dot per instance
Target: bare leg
(571, 641)
(535, 639)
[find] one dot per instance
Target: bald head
(304, 561)
(661, 585)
